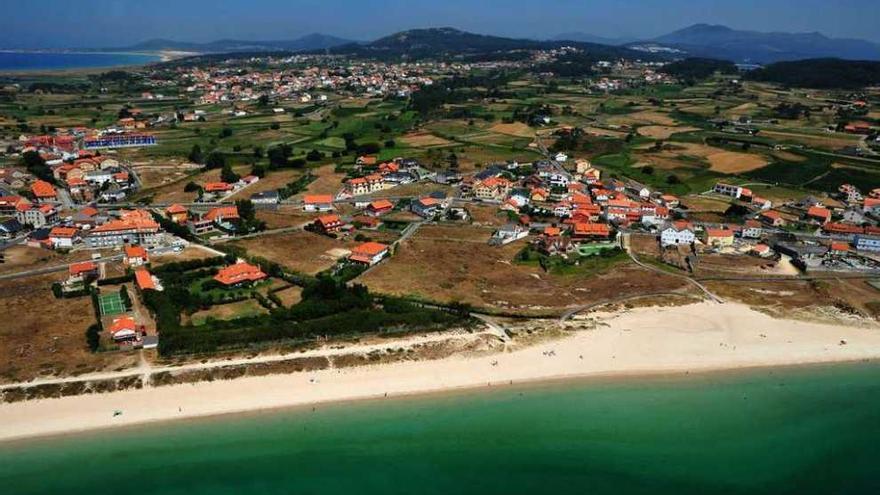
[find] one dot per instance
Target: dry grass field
(517, 129)
(189, 253)
(174, 192)
(456, 264)
(302, 251)
(829, 141)
(732, 162)
(285, 216)
(47, 336)
(272, 181)
(290, 296)
(22, 258)
(423, 140)
(644, 117)
(327, 181)
(662, 131)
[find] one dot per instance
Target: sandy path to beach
(698, 337)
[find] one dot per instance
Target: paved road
(63, 268)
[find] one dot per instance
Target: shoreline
(670, 341)
(640, 377)
(156, 58)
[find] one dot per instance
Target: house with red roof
(327, 224)
(144, 280)
(317, 202)
(772, 218)
(587, 231)
(176, 213)
(83, 270)
(368, 253)
(366, 160)
(360, 186)
(217, 187)
(35, 216)
(43, 191)
(135, 255)
(426, 207)
(238, 274)
(379, 207)
(818, 214)
(8, 204)
(719, 237)
(123, 329)
(63, 237)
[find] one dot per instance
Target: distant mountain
(306, 43)
(449, 42)
(592, 38)
(721, 42)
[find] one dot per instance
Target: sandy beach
(698, 337)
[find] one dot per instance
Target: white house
(671, 236)
(728, 190)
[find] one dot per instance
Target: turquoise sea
(24, 61)
(798, 431)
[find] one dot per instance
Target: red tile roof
(239, 272)
(63, 232)
(368, 249)
(317, 199)
(135, 252)
(124, 323)
(43, 189)
(222, 213)
(592, 229)
(82, 267)
(381, 204)
(719, 233)
(144, 280)
(217, 187)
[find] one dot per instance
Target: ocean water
(18, 61)
(798, 431)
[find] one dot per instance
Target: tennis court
(111, 304)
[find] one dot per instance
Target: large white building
(132, 228)
(671, 236)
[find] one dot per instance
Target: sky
(117, 23)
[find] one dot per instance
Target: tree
(228, 175)
(191, 187)
(215, 160)
(195, 155)
(225, 132)
(126, 299)
(35, 164)
(93, 337)
(452, 160)
(314, 156)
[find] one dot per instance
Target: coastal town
(205, 206)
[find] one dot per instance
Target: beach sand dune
(697, 337)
